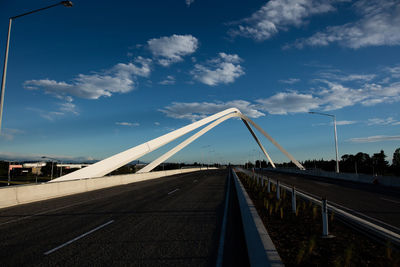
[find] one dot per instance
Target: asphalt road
(381, 204)
(173, 221)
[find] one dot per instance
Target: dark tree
(363, 163)
(396, 158)
(3, 168)
(396, 162)
(379, 163)
(249, 165)
(264, 164)
(46, 170)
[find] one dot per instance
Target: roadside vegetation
(298, 236)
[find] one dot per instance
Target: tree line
(358, 163)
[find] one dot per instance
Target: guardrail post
(278, 193)
(294, 199)
(269, 186)
(324, 217)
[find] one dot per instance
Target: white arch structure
(112, 163)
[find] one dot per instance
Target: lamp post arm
(319, 113)
(335, 132)
(36, 10)
(3, 80)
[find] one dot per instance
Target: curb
(261, 250)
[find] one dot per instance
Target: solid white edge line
(77, 238)
(173, 191)
(220, 256)
(394, 201)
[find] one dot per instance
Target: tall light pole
(3, 80)
(9, 174)
(336, 143)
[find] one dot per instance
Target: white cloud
(68, 107)
(171, 49)
(38, 157)
(377, 138)
(62, 109)
(326, 95)
(119, 79)
(168, 81)
(278, 15)
(223, 69)
(290, 81)
(131, 69)
(394, 71)
(156, 123)
(345, 122)
(379, 121)
(198, 110)
(330, 96)
(334, 96)
(378, 25)
(189, 2)
(376, 93)
(338, 123)
(348, 77)
(130, 124)
(288, 102)
(9, 134)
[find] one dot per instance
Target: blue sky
(90, 81)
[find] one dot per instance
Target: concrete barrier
(22, 194)
(260, 249)
(359, 178)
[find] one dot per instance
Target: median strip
(77, 238)
(224, 222)
(260, 248)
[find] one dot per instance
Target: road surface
(172, 221)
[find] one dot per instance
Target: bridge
(195, 217)
(112, 163)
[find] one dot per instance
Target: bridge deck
(170, 221)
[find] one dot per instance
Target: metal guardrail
(375, 229)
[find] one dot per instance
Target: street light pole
(336, 145)
(3, 80)
(9, 177)
(52, 165)
(335, 132)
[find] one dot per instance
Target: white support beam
(112, 163)
(259, 143)
(287, 154)
(182, 145)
